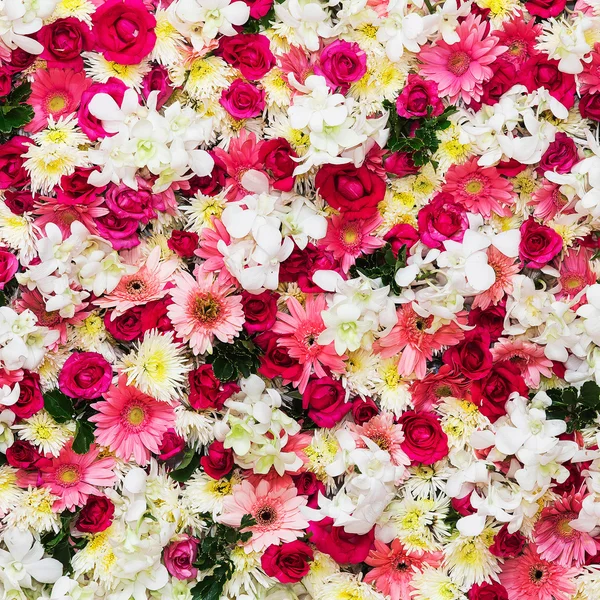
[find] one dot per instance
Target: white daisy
(201, 209)
(18, 232)
(203, 494)
(34, 511)
(194, 427)
(101, 70)
(436, 584)
(10, 492)
(45, 433)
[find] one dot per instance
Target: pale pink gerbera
(203, 309)
(395, 567)
(556, 540)
(388, 435)
(143, 286)
(575, 272)
(299, 332)
(131, 423)
(55, 93)
(504, 268)
(479, 190)
(347, 239)
(413, 337)
(533, 578)
(73, 477)
(548, 200)
(274, 505)
(529, 357)
(208, 246)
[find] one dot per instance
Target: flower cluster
(299, 299)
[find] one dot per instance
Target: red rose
(121, 232)
(541, 71)
(8, 267)
(491, 320)
(488, 591)
(561, 155)
(96, 515)
(21, 60)
(309, 485)
(510, 168)
(85, 375)
(124, 31)
(341, 63)
(179, 557)
(589, 106)
(418, 97)
(30, 399)
(287, 563)
(545, 8)
(471, 357)
(64, 40)
(155, 315)
(5, 82)
(507, 545)
(463, 505)
(260, 311)
(126, 327)
(242, 100)
(354, 191)
(401, 235)
(258, 8)
(171, 445)
(539, 244)
(400, 164)
(157, 80)
(277, 156)
(492, 392)
(502, 80)
(12, 172)
(18, 202)
(75, 189)
(219, 461)
(345, 548)
(22, 455)
(206, 391)
(325, 399)
(248, 52)
(183, 243)
(210, 184)
(440, 220)
(424, 440)
(90, 125)
(301, 265)
(276, 360)
(363, 410)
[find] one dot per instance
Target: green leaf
(84, 436)
(211, 587)
(189, 463)
(59, 406)
(20, 93)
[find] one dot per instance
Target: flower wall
(299, 300)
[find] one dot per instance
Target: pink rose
(287, 563)
(400, 164)
(8, 266)
(12, 172)
(345, 548)
(138, 204)
(89, 124)
(157, 80)
(124, 31)
(539, 244)
(171, 445)
(341, 63)
(545, 8)
(424, 439)
(440, 220)
(400, 235)
(258, 8)
(242, 100)
(561, 155)
(85, 375)
(417, 97)
(180, 555)
(325, 400)
(248, 52)
(64, 40)
(120, 232)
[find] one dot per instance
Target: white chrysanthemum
(469, 560)
(34, 511)
(43, 432)
(569, 229)
(343, 586)
(277, 89)
(157, 366)
(101, 70)
(203, 494)
(382, 81)
(322, 567)
(460, 418)
(64, 131)
(18, 233)
(436, 584)
(451, 150)
(208, 75)
(588, 583)
(195, 428)
(426, 481)
(322, 452)
(50, 368)
(391, 388)
(500, 10)
(248, 576)
(47, 164)
(425, 184)
(229, 128)
(201, 210)
(360, 377)
(280, 126)
(80, 9)
(169, 42)
(97, 559)
(397, 206)
(91, 335)
(10, 492)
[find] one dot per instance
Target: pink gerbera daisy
(131, 423)
(412, 335)
(299, 332)
(388, 435)
(62, 214)
(504, 268)
(73, 477)
(208, 246)
(529, 357)
(395, 567)
(575, 272)
(555, 538)
(531, 577)
(479, 190)
(519, 37)
(274, 505)
(347, 238)
(459, 69)
(203, 309)
(55, 93)
(548, 200)
(589, 80)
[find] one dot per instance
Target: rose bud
(218, 462)
(183, 243)
(96, 515)
(289, 562)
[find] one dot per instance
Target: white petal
(471, 525)
(47, 570)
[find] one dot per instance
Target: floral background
(299, 300)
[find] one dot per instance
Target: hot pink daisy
(479, 190)
(51, 210)
(299, 332)
(556, 540)
(548, 200)
(459, 69)
(55, 93)
(529, 357)
(347, 238)
(504, 268)
(274, 505)
(388, 435)
(413, 337)
(73, 477)
(203, 309)
(131, 423)
(589, 80)
(395, 568)
(534, 578)
(207, 248)
(520, 38)
(575, 272)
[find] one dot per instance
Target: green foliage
(578, 407)
(235, 360)
(84, 436)
(14, 113)
(381, 264)
(189, 463)
(59, 406)
(60, 545)
(424, 142)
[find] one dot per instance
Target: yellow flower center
(56, 103)
(136, 416)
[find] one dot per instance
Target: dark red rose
(502, 80)
(248, 52)
(124, 31)
(5, 81)
(219, 460)
(183, 243)
(171, 445)
(401, 235)
(18, 202)
(85, 375)
(21, 60)
(541, 71)
(539, 244)
(154, 315)
(276, 360)
(471, 357)
(90, 125)
(589, 106)
(75, 189)
(400, 164)
(243, 100)
(96, 515)
(260, 311)
(364, 410)
(258, 8)
(210, 184)
(30, 399)
(121, 232)
(510, 168)
(561, 155)
(309, 485)
(126, 327)
(418, 97)
(507, 545)
(424, 440)
(276, 156)
(289, 562)
(341, 63)
(157, 80)
(440, 220)
(12, 172)
(64, 41)
(206, 391)
(488, 591)
(492, 392)
(463, 505)
(345, 548)
(22, 455)
(301, 265)
(179, 557)
(491, 319)
(8, 266)
(325, 400)
(354, 191)
(545, 9)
